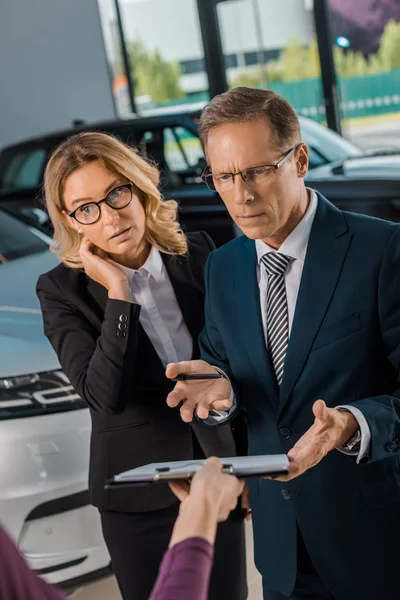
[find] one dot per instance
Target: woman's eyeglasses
(90, 213)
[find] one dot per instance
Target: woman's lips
(121, 235)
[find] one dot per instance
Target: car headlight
(37, 394)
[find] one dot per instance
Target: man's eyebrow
(108, 189)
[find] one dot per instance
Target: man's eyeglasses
(90, 213)
(222, 182)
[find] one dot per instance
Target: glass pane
(16, 240)
(23, 171)
(272, 44)
(112, 43)
(182, 149)
(325, 146)
(165, 48)
(367, 60)
(174, 153)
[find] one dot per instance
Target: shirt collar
(151, 268)
(296, 243)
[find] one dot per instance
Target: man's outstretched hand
(197, 396)
(331, 428)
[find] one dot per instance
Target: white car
(44, 427)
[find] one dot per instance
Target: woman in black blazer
(127, 299)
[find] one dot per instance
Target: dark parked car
(351, 179)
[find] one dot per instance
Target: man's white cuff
(365, 434)
(218, 416)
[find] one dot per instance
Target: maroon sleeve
(17, 581)
(185, 571)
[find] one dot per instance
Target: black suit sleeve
(383, 412)
(212, 348)
(100, 368)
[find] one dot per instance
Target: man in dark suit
(303, 318)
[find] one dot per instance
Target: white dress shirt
(160, 314)
(295, 246)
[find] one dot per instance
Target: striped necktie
(277, 311)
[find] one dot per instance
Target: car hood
(23, 346)
(364, 167)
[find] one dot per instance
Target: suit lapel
(327, 248)
(189, 292)
(247, 299)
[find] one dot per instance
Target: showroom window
(273, 45)
(165, 54)
(367, 60)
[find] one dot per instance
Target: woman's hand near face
(99, 267)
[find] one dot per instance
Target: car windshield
(325, 145)
(17, 240)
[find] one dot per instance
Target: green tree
(339, 57)
(354, 64)
(154, 76)
(375, 64)
(350, 64)
(299, 62)
(389, 51)
(274, 70)
(313, 68)
(249, 78)
(252, 76)
(293, 60)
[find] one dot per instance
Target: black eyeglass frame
(275, 167)
(124, 185)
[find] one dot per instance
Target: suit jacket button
(285, 433)
(123, 318)
(392, 446)
(122, 326)
(287, 494)
(121, 334)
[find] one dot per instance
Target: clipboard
(240, 466)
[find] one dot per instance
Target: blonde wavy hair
(162, 228)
